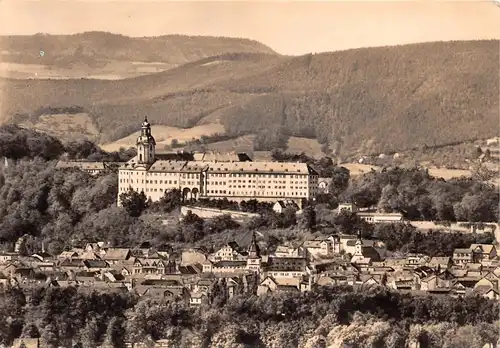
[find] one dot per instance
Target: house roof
(95, 263)
(230, 263)
(371, 253)
(462, 251)
(188, 269)
(487, 248)
(440, 260)
(483, 289)
(114, 254)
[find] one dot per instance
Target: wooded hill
(364, 101)
(97, 48)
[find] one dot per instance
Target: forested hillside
(97, 48)
(360, 101)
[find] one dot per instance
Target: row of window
(256, 193)
(297, 182)
(217, 175)
(131, 181)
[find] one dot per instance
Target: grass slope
(359, 101)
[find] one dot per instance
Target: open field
(240, 144)
(358, 168)
(311, 147)
(447, 174)
(114, 70)
(164, 135)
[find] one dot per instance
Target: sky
(289, 27)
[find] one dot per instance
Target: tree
(50, 336)
(89, 336)
(115, 333)
(30, 330)
(135, 203)
(171, 200)
(308, 218)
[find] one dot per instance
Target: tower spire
(253, 248)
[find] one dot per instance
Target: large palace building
(232, 176)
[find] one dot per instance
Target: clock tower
(145, 144)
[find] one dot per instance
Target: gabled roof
(189, 269)
(486, 248)
(462, 251)
(230, 263)
(484, 289)
(440, 260)
(115, 254)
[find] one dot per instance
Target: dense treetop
(59, 316)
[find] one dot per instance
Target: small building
(230, 252)
(280, 206)
(378, 218)
(463, 256)
(8, 257)
(483, 252)
(350, 207)
(319, 247)
(440, 263)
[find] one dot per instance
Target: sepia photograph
(249, 174)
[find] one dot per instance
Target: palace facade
(232, 176)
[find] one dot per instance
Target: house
(236, 266)
(148, 266)
(463, 256)
(378, 218)
(68, 254)
(364, 254)
(114, 255)
(193, 255)
(271, 284)
(286, 267)
(483, 252)
(280, 206)
(347, 243)
(197, 298)
(349, 207)
(230, 252)
(290, 251)
(416, 260)
(440, 263)
(319, 247)
(95, 265)
(42, 257)
(487, 292)
(434, 282)
(7, 257)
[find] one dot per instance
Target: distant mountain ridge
(95, 48)
(360, 101)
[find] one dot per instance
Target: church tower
(253, 258)
(358, 246)
(145, 144)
